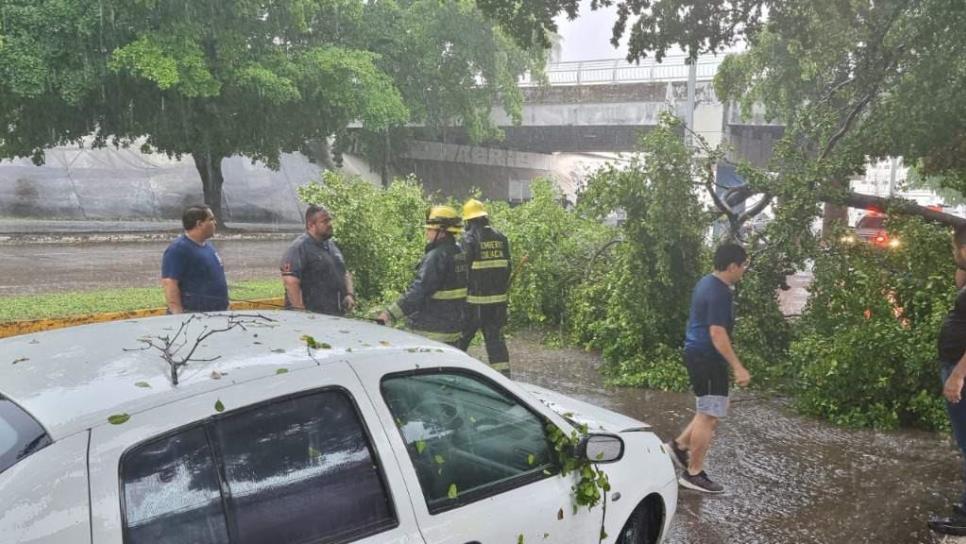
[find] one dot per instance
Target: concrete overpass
(588, 107)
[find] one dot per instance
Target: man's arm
(293, 288)
(960, 278)
(172, 295)
(349, 300)
(722, 343)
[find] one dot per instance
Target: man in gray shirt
(313, 269)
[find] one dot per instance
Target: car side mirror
(600, 448)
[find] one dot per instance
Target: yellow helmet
(443, 218)
(473, 209)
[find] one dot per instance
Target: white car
(373, 435)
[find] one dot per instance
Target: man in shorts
(707, 354)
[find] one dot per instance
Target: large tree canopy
(215, 78)
(849, 78)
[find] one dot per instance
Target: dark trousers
(490, 318)
(957, 419)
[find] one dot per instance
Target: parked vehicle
(291, 427)
(871, 228)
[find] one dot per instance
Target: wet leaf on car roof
(20, 360)
(281, 371)
(118, 419)
(278, 350)
(142, 384)
(219, 407)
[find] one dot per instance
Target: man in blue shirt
(192, 274)
(708, 354)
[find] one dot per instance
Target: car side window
(302, 470)
(467, 438)
(171, 492)
(298, 469)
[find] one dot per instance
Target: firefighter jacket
(434, 304)
(488, 258)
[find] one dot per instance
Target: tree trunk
(385, 159)
(209, 167)
(903, 206)
(834, 215)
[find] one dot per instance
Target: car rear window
(871, 222)
(20, 434)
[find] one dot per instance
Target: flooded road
(42, 268)
(789, 479)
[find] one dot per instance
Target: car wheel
(644, 524)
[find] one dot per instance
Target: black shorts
(708, 373)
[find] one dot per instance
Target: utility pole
(689, 119)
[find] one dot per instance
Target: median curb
(16, 328)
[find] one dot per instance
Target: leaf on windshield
(142, 384)
(219, 407)
(420, 446)
(314, 453)
(530, 459)
(118, 419)
(439, 459)
(452, 493)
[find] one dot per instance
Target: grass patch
(54, 305)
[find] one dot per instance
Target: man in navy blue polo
(708, 355)
(192, 274)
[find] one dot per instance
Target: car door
(477, 457)
(305, 462)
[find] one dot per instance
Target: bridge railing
(603, 72)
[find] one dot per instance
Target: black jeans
(490, 318)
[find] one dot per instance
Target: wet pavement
(58, 267)
(790, 479)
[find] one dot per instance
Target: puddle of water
(790, 479)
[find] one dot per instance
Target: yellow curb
(14, 328)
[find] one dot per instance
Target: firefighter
(488, 259)
(434, 305)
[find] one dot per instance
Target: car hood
(579, 412)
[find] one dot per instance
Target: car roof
(73, 379)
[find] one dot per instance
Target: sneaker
(948, 526)
(679, 456)
(700, 482)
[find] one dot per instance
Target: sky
(588, 36)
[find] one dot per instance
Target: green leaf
(281, 371)
(142, 384)
(309, 341)
(452, 493)
(118, 419)
(278, 350)
(439, 459)
(219, 407)
(420, 446)
(530, 459)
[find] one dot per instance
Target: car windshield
(20, 434)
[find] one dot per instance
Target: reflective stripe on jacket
(488, 257)
(435, 301)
